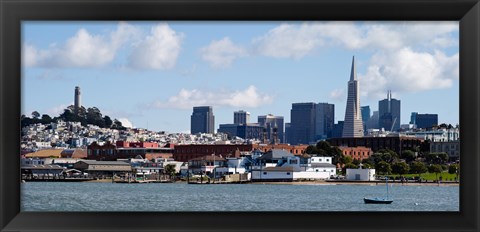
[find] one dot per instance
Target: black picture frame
(12, 12)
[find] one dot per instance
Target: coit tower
(353, 125)
(78, 102)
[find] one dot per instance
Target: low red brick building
(185, 153)
(358, 153)
(126, 150)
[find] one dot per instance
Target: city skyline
(255, 67)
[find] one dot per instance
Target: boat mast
(386, 182)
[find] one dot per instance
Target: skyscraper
(365, 117)
(202, 120)
(413, 118)
(426, 120)
(274, 127)
(302, 125)
(353, 125)
(389, 113)
(365, 113)
(373, 121)
(241, 117)
(324, 120)
(77, 99)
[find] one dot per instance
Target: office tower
(373, 121)
(302, 116)
(274, 127)
(389, 113)
(365, 117)
(202, 120)
(337, 130)
(77, 99)
(245, 131)
(413, 118)
(288, 133)
(365, 113)
(426, 120)
(241, 117)
(353, 125)
(324, 120)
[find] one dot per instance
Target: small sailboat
(378, 200)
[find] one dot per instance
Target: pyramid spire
(353, 73)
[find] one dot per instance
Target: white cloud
(82, 50)
(287, 41)
(186, 99)
(159, 50)
(125, 122)
(221, 53)
(298, 40)
(408, 71)
(337, 95)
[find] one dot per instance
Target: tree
(336, 153)
(324, 145)
(356, 161)
(369, 161)
(408, 155)
(108, 121)
(345, 159)
(170, 170)
(311, 150)
(418, 168)
(436, 157)
(35, 114)
(118, 125)
(400, 168)
(383, 168)
(454, 169)
(367, 165)
(435, 168)
(46, 119)
(443, 156)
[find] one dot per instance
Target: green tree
(345, 159)
(454, 169)
(400, 168)
(436, 157)
(408, 155)
(435, 168)
(356, 162)
(369, 161)
(108, 121)
(170, 170)
(367, 165)
(311, 150)
(336, 154)
(324, 148)
(35, 115)
(418, 168)
(46, 119)
(118, 125)
(383, 168)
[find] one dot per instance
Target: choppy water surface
(64, 196)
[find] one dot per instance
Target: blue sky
(151, 74)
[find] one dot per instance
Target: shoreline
(317, 182)
(359, 183)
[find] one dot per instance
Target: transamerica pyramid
(353, 125)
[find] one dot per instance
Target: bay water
(161, 197)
